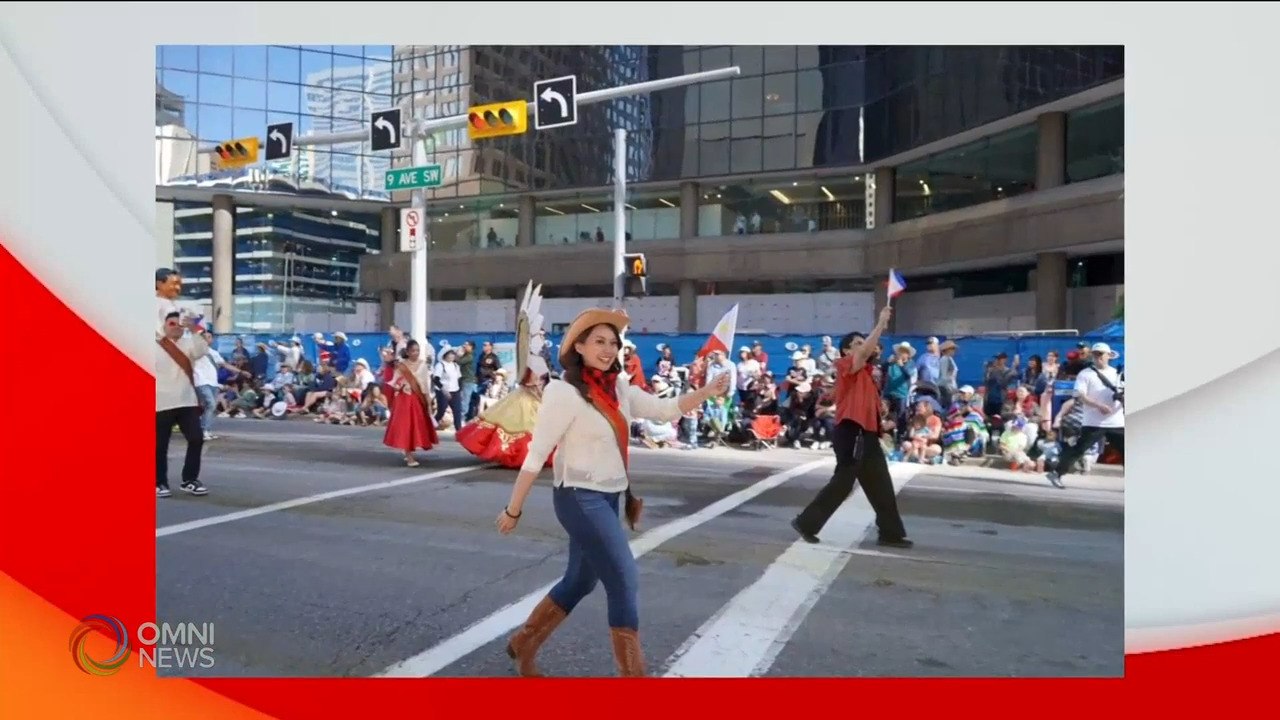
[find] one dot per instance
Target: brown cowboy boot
(627, 653)
(523, 646)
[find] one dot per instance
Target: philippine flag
(897, 285)
(722, 339)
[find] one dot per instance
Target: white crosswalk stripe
(727, 590)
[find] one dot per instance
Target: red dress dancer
(501, 434)
(411, 426)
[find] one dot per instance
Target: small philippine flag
(897, 285)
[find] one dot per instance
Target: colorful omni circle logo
(113, 629)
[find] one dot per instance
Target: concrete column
(224, 263)
(1051, 291)
(389, 234)
(689, 212)
(164, 234)
(528, 220)
(886, 184)
(687, 314)
(1051, 156)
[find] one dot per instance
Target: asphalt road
(317, 553)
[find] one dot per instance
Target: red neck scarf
(603, 384)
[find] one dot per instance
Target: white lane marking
(308, 500)
(507, 618)
(745, 636)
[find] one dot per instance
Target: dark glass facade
(792, 108)
(917, 95)
(1095, 141)
(992, 168)
(445, 80)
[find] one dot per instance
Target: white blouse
(173, 388)
(583, 440)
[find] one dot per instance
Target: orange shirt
(857, 395)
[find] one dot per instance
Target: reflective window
(792, 107)
(589, 218)
(295, 256)
(919, 94)
(997, 167)
(219, 93)
(1095, 141)
(586, 218)
(789, 206)
(473, 223)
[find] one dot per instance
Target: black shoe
(806, 536)
(195, 488)
(901, 543)
(162, 491)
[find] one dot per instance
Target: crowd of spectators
(1020, 416)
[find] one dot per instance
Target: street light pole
(420, 128)
(418, 298)
(453, 122)
(619, 218)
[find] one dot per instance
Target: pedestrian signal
(637, 273)
(636, 266)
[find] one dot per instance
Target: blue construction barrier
(972, 355)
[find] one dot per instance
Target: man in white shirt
(719, 366)
(450, 377)
(176, 354)
(1100, 391)
(168, 287)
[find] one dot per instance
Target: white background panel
(77, 209)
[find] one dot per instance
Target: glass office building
(772, 150)
(230, 92)
(286, 262)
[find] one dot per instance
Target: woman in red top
(856, 441)
(410, 427)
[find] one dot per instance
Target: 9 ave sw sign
(416, 177)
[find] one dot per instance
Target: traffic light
(236, 153)
(498, 120)
(637, 274)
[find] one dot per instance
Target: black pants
(450, 401)
(188, 421)
(871, 469)
(1088, 436)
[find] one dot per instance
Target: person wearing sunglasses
(177, 402)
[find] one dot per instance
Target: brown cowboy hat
(588, 319)
(948, 345)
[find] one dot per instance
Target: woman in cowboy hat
(586, 419)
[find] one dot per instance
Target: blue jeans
(598, 553)
(209, 396)
(470, 400)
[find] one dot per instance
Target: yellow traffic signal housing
(636, 283)
(236, 153)
(636, 266)
(498, 120)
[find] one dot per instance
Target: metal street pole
(418, 299)
(422, 127)
(419, 129)
(619, 218)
